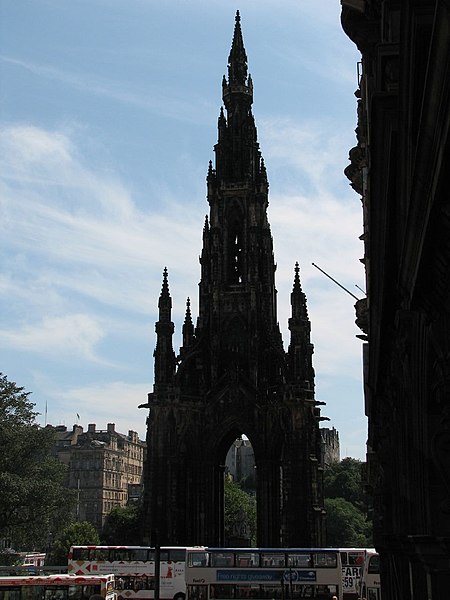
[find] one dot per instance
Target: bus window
(28, 593)
(299, 560)
(247, 559)
(120, 554)
(198, 559)
(271, 591)
(374, 564)
(324, 592)
(138, 554)
(10, 594)
(325, 559)
(272, 559)
(197, 592)
(101, 554)
(177, 555)
(54, 593)
(80, 554)
(222, 559)
(247, 592)
(355, 559)
(222, 592)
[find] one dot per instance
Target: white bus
(134, 569)
(32, 562)
(57, 587)
(263, 573)
(352, 567)
(370, 580)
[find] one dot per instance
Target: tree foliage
(344, 480)
(240, 513)
(123, 525)
(348, 524)
(33, 498)
(80, 533)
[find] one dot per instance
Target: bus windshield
(352, 567)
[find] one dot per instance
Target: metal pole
(157, 570)
(157, 564)
(336, 282)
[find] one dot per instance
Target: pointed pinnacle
(237, 60)
(188, 317)
(297, 285)
(165, 283)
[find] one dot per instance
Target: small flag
(78, 416)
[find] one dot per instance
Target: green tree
(33, 498)
(80, 533)
(123, 525)
(240, 509)
(344, 480)
(347, 526)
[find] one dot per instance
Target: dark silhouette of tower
(232, 375)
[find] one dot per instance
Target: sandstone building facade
(104, 468)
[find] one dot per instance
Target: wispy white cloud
(316, 218)
(69, 336)
(115, 402)
(308, 151)
(82, 222)
(97, 253)
(162, 100)
(93, 241)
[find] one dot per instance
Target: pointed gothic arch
(235, 243)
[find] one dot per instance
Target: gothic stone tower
(232, 375)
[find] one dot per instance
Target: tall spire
(237, 60)
(164, 327)
(239, 87)
(237, 151)
(165, 301)
(298, 298)
(188, 328)
(300, 349)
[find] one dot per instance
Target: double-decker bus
(57, 587)
(134, 569)
(263, 573)
(370, 587)
(352, 567)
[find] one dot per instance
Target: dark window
(374, 564)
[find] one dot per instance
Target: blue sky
(108, 112)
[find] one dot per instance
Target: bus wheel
(179, 597)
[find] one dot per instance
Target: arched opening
(239, 491)
(235, 246)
